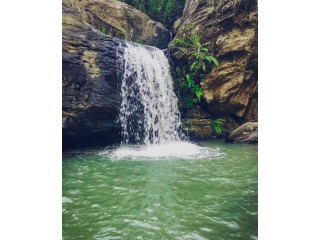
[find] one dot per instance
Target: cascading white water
(149, 114)
(149, 110)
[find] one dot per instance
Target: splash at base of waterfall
(180, 150)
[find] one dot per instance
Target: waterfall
(149, 110)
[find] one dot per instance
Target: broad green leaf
(215, 61)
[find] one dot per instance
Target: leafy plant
(185, 41)
(194, 88)
(181, 42)
(200, 54)
(197, 64)
(217, 123)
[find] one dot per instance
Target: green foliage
(183, 87)
(200, 56)
(217, 124)
(185, 41)
(199, 53)
(181, 42)
(103, 28)
(198, 62)
(194, 88)
(164, 11)
(139, 42)
(129, 17)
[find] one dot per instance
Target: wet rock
(229, 124)
(91, 84)
(198, 124)
(247, 133)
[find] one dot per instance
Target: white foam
(66, 200)
(180, 149)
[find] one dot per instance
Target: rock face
(91, 85)
(117, 19)
(247, 133)
(231, 29)
(198, 125)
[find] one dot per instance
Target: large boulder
(91, 83)
(246, 133)
(117, 19)
(232, 31)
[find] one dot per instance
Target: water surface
(212, 197)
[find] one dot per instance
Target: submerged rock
(117, 19)
(247, 132)
(91, 87)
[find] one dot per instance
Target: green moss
(139, 42)
(103, 28)
(124, 35)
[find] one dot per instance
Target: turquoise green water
(211, 198)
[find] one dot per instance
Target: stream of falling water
(149, 110)
(149, 114)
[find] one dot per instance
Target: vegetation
(217, 124)
(129, 17)
(164, 11)
(124, 35)
(200, 54)
(197, 66)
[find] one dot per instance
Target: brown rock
(176, 25)
(231, 29)
(228, 126)
(121, 21)
(247, 132)
(198, 128)
(199, 125)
